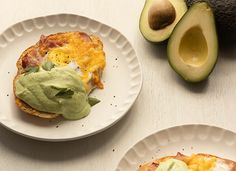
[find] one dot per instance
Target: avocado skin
(225, 16)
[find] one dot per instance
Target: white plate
(186, 139)
(122, 78)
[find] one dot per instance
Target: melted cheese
(201, 163)
(88, 55)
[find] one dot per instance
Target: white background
(165, 99)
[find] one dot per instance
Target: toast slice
(193, 162)
(88, 55)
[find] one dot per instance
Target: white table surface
(165, 99)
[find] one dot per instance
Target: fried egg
(198, 162)
(84, 51)
(75, 49)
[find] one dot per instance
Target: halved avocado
(225, 17)
(159, 17)
(193, 46)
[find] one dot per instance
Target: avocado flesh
(159, 17)
(193, 46)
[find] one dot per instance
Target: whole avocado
(225, 16)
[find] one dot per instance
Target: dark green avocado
(159, 17)
(193, 47)
(225, 16)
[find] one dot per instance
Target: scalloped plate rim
(166, 129)
(140, 82)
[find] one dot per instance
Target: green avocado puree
(59, 91)
(172, 165)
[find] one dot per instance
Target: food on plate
(225, 15)
(56, 75)
(159, 17)
(193, 46)
(195, 162)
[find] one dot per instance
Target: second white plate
(187, 139)
(122, 78)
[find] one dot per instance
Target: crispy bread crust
(154, 164)
(21, 104)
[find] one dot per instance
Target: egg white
(220, 165)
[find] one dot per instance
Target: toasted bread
(152, 166)
(89, 47)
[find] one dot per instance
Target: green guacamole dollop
(172, 165)
(59, 90)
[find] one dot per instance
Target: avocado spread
(172, 165)
(59, 90)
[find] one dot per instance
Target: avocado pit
(161, 14)
(193, 47)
